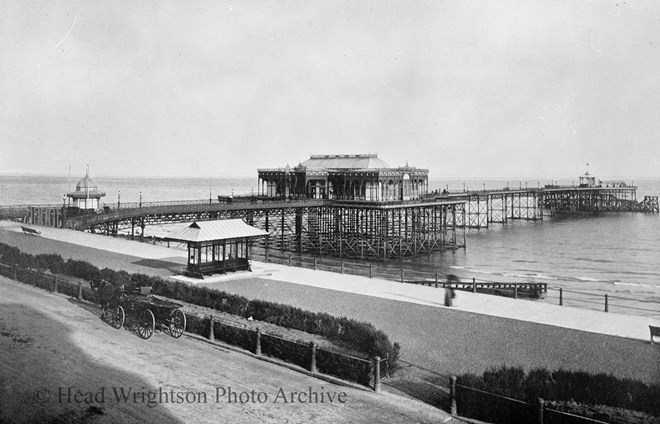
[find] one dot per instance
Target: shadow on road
(45, 377)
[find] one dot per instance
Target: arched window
(407, 187)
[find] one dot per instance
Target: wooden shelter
(218, 246)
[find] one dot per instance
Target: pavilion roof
(367, 161)
(225, 229)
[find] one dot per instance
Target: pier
(361, 228)
(353, 206)
(355, 229)
(501, 206)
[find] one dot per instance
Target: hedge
(557, 386)
(358, 336)
(328, 362)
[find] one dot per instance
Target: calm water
(614, 253)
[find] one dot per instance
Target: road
(59, 362)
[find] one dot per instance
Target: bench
(30, 231)
(655, 332)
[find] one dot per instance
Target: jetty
(354, 206)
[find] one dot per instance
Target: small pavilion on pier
(87, 194)
(344, 177)
(218, 246)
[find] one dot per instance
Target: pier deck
(363, 228)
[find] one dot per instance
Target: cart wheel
(177, 323)
(118, 317)
(146, 324)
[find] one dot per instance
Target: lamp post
(210, 195)
(140, 199)
(118, 199)
(63, 209)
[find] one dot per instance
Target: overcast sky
(466, 89)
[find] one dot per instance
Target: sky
(466, 89)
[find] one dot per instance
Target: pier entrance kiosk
(218, 246)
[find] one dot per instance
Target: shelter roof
(86, 183)
(86, 188)
(225, 229)
(368, 161)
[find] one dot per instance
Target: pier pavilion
(344, 177)
(218, 246)
(87, 195)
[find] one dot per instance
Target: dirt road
(60, 363)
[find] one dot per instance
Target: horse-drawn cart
(149, 309)
(145, 308)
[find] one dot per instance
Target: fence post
(436, 280)
(453, 410)
(211, 328)
(515, 290)
(54, 284)
(540, 407)
(79, 291)
(561, 297)
(342, 267)
(371, 271)
(402, 275)
(377, 374)
(606, 304)
(289, 260)
(312, 362)
(266, 255)
(315, 266)
(474, 285)
(257, 348)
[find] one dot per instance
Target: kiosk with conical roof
(87, 195)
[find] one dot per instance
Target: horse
(108, 294)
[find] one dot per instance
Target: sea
(586, 256)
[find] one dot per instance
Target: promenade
(634, 327)
(478, 332)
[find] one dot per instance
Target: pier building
(87, 195)
(344, 177)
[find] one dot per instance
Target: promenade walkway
(633, 327)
